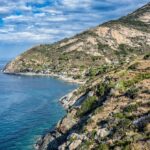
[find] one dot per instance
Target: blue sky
(25, 23)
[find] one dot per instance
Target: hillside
(111, 110)
(110, 43)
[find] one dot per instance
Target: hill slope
(110, 43)
(112, 109)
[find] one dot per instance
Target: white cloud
(51, 20)
(75, 3)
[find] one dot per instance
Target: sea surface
(29, 107)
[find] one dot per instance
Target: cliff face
(111, 110)
(109, 43)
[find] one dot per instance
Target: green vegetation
(133, 66)
(125, 84)
(139, 77)
(87, 105)
(104, 88)
(119, 115)
(131, 108)
(85, 145)
(103, 47)
(63, 57)
(103, 146)
(147, 57)
(137, 24)
(93, 134)
(99, 70)
(132, 92)
(124, 50)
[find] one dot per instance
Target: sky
(26, 23)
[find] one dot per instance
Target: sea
(29, 108)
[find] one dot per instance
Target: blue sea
(29, 107)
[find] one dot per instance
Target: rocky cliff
(111, 110)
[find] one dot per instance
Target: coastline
(66, 101)
(61, 77)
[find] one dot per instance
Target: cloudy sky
(25, 23)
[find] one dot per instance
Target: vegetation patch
(133, 66)
(87, 105)
(147, 57)
(131, 108)
(132, 92)
(99, 70)
(103, 146)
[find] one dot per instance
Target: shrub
(132, 93)
(131, 108)
(133, 66)
(92, 72)
(119, 115)
(86, 144)
(128, 83)
(63, 57)
(101, 89)
(103, 146)
(147, 56)
(99, 70)
(87, 105)
(93, 133)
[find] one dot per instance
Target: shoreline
(61, 77)
(66, 102)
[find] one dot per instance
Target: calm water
(28, 107)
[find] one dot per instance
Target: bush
(132, 93)
(101, 89)
(93, 134)
(92, 72)
(147, 56)
(103, 147)
(99, 70)
(119, 115)
(139, 77)
(87, 105)
(133, 66)
(131, 108)
(63, 57)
